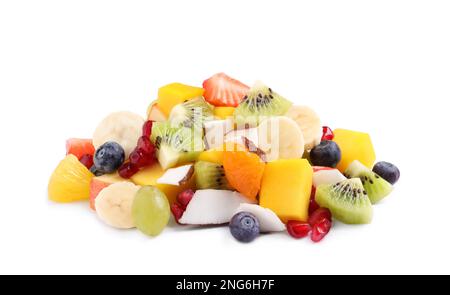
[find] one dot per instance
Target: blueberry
(387, 171)
(96, 171)
(109, 157)
(244, 227)
(327, 154)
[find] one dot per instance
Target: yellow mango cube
(176, 93)
(149, 176)
(223, 112)
(354, 145)
(213, 156)
(286, 188)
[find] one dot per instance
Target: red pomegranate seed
(185, 197)
(320, 230)
(327, 133)
(87, 160)
(298, 229)
(127, 170)
(313, 206)
(318, 215)
(146, 145)
(177, 211)
(147, 129)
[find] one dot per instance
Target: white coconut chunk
(177, 176)
(331, 176)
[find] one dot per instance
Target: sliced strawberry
(224, 91)
(79, 147)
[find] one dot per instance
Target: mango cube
(176, 93)
(286, 188)
(223, 112)
(354, 146)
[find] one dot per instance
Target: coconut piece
(268, 220)
(251, 147)
(215, 131)
(239, 136)
(327, 176)
(177, 176)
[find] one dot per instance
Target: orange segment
(244, 171)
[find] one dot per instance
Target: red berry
(320, 230)
(318, 215)
(298, 229)
(127, 170)
(141, 159)
(177, 211)
(313, 206)
(327, 133)
(146, 145)
(185, 197)
(87, 160)
(147, 129)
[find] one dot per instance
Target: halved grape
(151, 210)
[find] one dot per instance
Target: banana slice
(125, 128)
(280, 138)
(113, 204)
(309, 122)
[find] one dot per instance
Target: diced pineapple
(176, 93)
(354, 146)
(286, 188)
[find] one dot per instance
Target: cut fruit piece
(222, 90)
(79, 147)
(177, 176)
(215, 132)
(327, 176)
(155, 114)
(176, 93)
(280, 138)
(175, 145)
(113, 204)
(347, 201)
(210, 176)
(268, 220)
(376, 187)
(354, 146)
(286, 189)
(192, 113)
(244, 171)
(124, 128)
(214, 156)
(224, 112)
(309, 122)
(260, 102)
(99, 183)
(151, 174)
(70, 181)
(239, 136)
(212, 207)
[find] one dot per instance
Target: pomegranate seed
(318, 215)
(127, 170)
(185, 197)
(320, 230)
(146, 145)
(147, 129)
(298, 229)
(327, 133)
(87, 160)
(177, 211)
(313, 206)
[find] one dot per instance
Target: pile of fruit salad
(224, 154)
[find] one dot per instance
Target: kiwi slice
(259, 103)
(210, 176)
(376, 187)
(347, 201)
(192, 113)
(175, 144)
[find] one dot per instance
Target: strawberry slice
(224, 91)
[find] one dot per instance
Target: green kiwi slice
(175, 144)
(192, 113)
(210, 176)
(376, 187)
(347, 201)
(260, 102)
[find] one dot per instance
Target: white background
(377, 66)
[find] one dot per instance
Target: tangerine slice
(244, 171)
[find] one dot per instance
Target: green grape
(151, 210)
